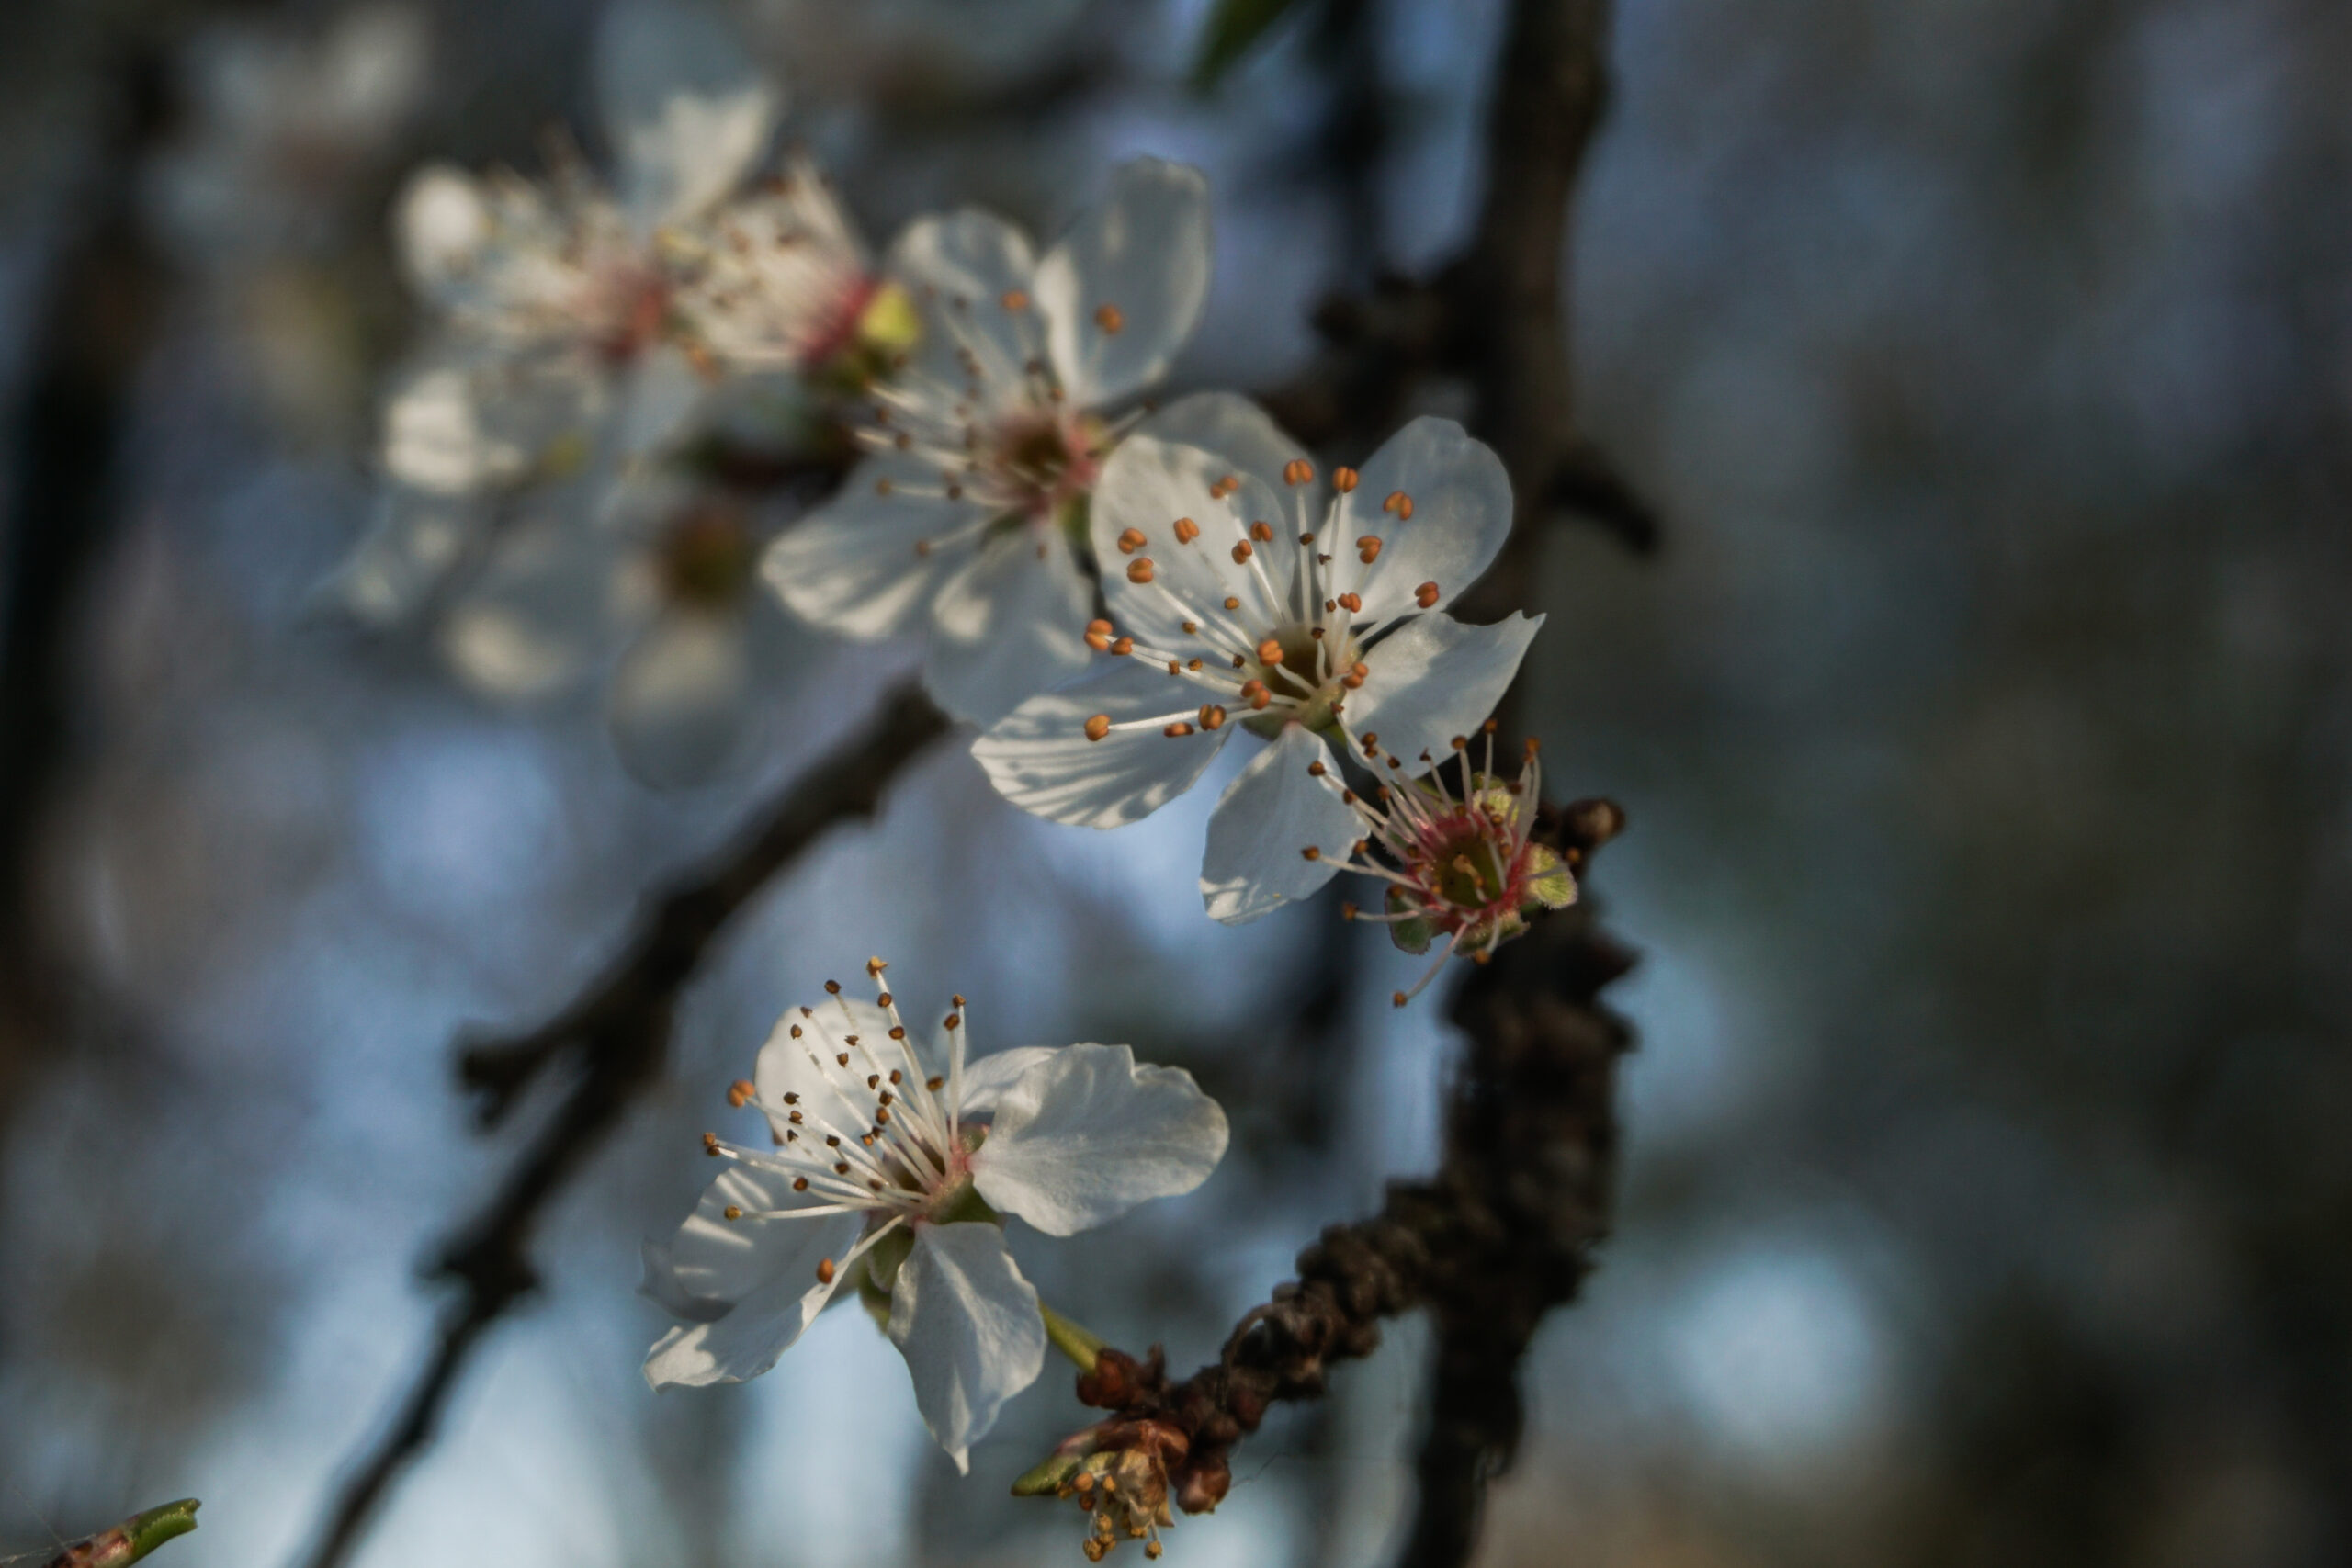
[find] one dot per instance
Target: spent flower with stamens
(886, 1168)
(1245, 594)
(970, 514)
(1465, 869)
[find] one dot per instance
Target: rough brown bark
(1497, 1238)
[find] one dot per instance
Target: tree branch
(1499, 1236)
(617, 1036)
(1495, 317)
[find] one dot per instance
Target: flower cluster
(586, 471)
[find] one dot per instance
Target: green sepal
(1080, 1344)
(882, 1262)
(150, 1530)
(1549, 879)
(1049, 1478)
(874, 1300)
(889, 321)
(1077, 520)
(1413, 935)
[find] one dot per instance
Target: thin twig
(615, 1037)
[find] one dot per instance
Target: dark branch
(615, 1037)
(1502, 1234)
(1495, 317)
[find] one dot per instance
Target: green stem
(156, 1525)
(1081, 1345)
(133, 1538)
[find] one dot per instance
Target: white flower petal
(989, 1077)
(413, 542)
(1461, 511)
(747, 1341)
(659, 400)
(1433, 679)
(1085, 1133)
(968, 1325)
(677, 701)
(763, 1271)
(1038, 756)
(852, 566)
(687, 111)
(1147, 485)
(439, 437)
(657, 1283)
(1138, 262)
(1269, 815)
(1006, 625)
(440, 223)
(1234, 428)
(548, 605)
(718, 1259)
(784, 1065)
(960, 266)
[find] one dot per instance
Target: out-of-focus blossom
(1465, 869)
(583, 330)
(1243, 594)
(785, 284)
(658, 597)
(566, 292)
(889, 1169)
(972, 514)
(280, 129)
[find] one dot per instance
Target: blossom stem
(1080, 1344)
(133, 1538)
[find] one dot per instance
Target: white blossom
(971, 513)
(1245, 594)
(888, 1169)
(657, 597)
(583, 329)
(569, 288)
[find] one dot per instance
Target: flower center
(1467, 866)
(636, 310)
(1045, 459)
(708, 557)
(1303, 681)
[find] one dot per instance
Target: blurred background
(1984, 724)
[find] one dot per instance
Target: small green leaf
(1234, 30)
